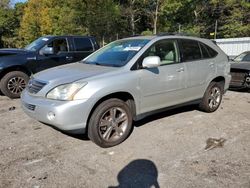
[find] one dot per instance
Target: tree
(10, 23)
(102, 19)
(30, 25)
(132, 12)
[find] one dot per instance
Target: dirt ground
(164, 150)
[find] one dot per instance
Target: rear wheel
(212, 97)
(13, 83)
(110, 123)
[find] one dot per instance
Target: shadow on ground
(244, 90)
(138, 173)
(148, 119)
(164, 114)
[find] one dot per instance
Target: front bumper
(69, 116)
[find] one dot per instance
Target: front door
(162, 86)
(60, 56)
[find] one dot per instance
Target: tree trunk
(132, 22)
(155, 19)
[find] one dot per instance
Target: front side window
(166, 50)
(59, 45)
(117, 53)
(190, 50)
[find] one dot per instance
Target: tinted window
(212, 52)
(83, 44)
(204, 50)
(246, 57)
(190, 50)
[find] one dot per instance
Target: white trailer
(234, 46)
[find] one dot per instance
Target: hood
(11, 51)
(71, 72)
(241, 65)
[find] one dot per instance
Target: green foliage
(112, 19)
(147, 32)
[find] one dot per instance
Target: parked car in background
(240, 71)
(127, 80)
(16, 65)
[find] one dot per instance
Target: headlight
(66, 92)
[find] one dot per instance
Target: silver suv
(125, 81)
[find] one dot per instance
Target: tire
(104, 128)
(13, 83)
(212, 97)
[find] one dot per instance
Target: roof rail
(177, 34)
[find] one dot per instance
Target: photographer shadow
(138, 173)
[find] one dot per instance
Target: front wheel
(212, 97)
(110, 123)
(13, 83)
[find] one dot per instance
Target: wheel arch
(220, 79)
(124, 96)
(15, 68)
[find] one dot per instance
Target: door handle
(211, 64)
(69, 58)
(180, 69)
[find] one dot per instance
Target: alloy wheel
(214, 98)
(16, 85)
(113, 124)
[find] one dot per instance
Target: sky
(17, 1)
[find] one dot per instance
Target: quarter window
(204, 50)
(190, 50)
(83, 44)
(212, 52)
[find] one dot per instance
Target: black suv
(16, 65)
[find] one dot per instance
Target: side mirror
(151, 62)
(47, 50)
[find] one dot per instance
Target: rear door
(83, 47)
(200, 67)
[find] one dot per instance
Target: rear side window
(83, 44)
(190, 50)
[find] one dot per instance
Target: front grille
(34, 86)
(30, 106)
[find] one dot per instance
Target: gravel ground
(164, 150)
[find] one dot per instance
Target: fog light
(51, 116)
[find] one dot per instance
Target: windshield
(117, 53)
(243, 57)
(37, 44)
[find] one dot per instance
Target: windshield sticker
(132, 48)
(45, 39)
